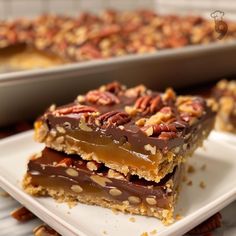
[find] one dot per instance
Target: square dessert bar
(225, 95)
(69, 178)
(133, 131)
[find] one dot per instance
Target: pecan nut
(164, 115)
(114, 118)
(45, 230)
(114, 87)
(136, 91)
(22, 214)
(207, 226)
(75, 109)
(157, 129)
(102, 98)
(193, 108)
(148, 104)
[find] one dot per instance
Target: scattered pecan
(22, 214)
(207, 226)
(136, 91)
(169, 95)
(114, 118)
(155, 130)
(164, 115)
(75, 109)
(88, 51)
(101, 98)
(114, 87)
(148, 104)
(45, 230)
(167, 135)
(193, 108)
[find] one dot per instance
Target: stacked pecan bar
(118, 148)
(225, 95)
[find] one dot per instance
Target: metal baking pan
(25, 94)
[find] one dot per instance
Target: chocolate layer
(57, 170)
(128, 116)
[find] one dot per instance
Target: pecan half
(45, 230)
(114, 118)
(155, 130)
(114, 87)
(207, 226)
(76, 109)
(101, 98)
(22, 214)
(148, 104)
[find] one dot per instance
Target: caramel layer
(75, 177)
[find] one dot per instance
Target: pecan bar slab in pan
(69, 178)
(133, 131)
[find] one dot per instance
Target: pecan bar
(69, 178)
(134, 131)
(225, 95)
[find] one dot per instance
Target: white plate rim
(43, 213)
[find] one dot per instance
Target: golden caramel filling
(109, 151)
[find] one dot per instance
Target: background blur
(17, 8)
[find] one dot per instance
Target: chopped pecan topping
(193, 108)
(114, 118)
(114, 87)
(76, 109)
(136, 91)
(148, 104)
(102, 98)
(155, 130)
(167, 135)
(164, 115)
(169, 95)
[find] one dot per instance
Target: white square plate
(195, 204)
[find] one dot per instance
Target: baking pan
(25, 94)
